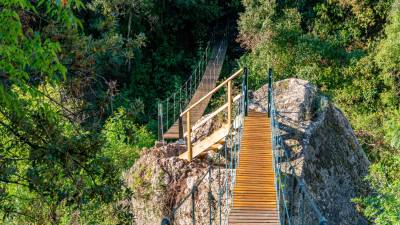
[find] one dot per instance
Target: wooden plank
(254, 193)
(189, 138)
(233, 76)
(213, 114)
(216, 147)
(207, 143)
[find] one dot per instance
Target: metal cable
(278, 148)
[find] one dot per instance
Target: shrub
(124, 139)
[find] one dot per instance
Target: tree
(350, 49)
(45, 156)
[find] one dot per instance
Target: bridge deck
(207, 84)
(254, 192)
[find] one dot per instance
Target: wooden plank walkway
(207, 84)
(254, 192)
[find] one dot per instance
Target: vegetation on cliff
(351, 50)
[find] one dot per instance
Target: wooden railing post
(229, 98)
(189, 136)
(245, 92)
(229, 104)
(180, 124)
(269, 91)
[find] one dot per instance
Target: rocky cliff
(324, 152)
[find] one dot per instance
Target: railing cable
(279, 159)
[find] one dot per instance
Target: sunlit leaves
(62, 13)
(43, 152)
(382, 206)
(124, 139)
(351, 50)
(392, 129)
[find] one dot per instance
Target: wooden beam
(213, 114)
(204, 145)
(216, 147)
(229, 98)
(189, 138)
(212, 92)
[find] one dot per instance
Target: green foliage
(23, 55)
(350, 49)
(62, 11)
(124, 139)
(392, 130)
(149, 46)
(388, 60)
(46, 158)
(382, 207)
(65, 66)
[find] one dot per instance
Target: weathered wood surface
(212, 142)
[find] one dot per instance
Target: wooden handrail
(187, 111)
(210, 116)
(212, 91)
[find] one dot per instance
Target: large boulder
(160, 181)
(324, 151)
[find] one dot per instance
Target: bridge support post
(229, 99)
(180, 124)
(210, 196)
(160, 122)
(189, 137)
(245, 92)
(194, 190)
(269, 92)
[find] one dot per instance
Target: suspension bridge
(254, 169)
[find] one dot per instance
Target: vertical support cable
(210, 197)
(195, 78)
(160, 122)
(269, 91)
(229, 193)
(180, 100)
(167, 111)
(229, 99)
(190, 88)
(180, 123)
(302, 206)
(201, 72)
(226, 174)
(174, 115)
(193, 205)
(283, 155)
(219, 189)
(185, 93)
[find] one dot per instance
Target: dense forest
(80, 80)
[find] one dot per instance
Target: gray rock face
(324, 152)
(160, 181)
